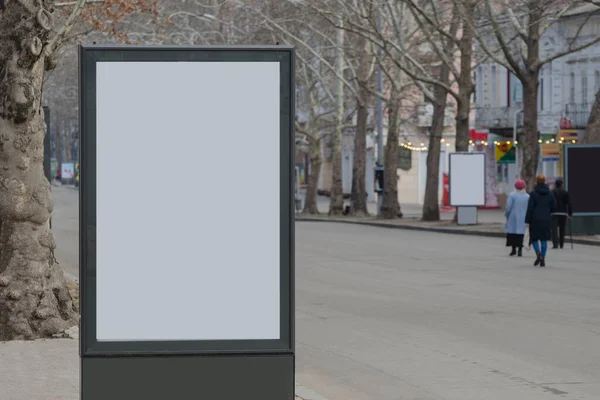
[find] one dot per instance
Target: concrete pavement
(392, 314)
(415, 211)
(401, 315)
(49, 369)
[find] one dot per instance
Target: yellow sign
(568, 134)
(505, 153)
(550, 152)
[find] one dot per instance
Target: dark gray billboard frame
(566, 172)
(583, 223)
(219, 369)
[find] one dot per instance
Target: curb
(464, 232)
(307, 394)
(70, 277)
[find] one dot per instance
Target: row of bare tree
(425, 47)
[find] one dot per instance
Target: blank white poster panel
(467, 179)
(187, 239)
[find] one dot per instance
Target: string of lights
(540, 141)
(422, 147)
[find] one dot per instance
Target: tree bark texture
(34, 299)
(531, 147)
(592, 131)
(358, 196)
(336, 201)
(310, 201)
(431, 204)
(390, 207)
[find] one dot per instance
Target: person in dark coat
(539, 218)
(559, 218)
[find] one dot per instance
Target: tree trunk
(68, 146)
(592, 131)
(465, 88)
(310, 200)
(336, 201)
(431, 204)
(530, 76)
(34, 298)
(390, 207)
(531, 147)
(358, 196)
(465, 80)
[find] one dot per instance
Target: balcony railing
(578, 114)
(495, 117)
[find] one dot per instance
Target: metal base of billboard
(467, 215)
(188, 377)
(585, 225)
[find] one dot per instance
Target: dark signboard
(581, 165)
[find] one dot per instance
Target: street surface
(406, 315)
(392, 314)
(65, 227)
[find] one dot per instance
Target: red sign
(480, 136)
(446, 197)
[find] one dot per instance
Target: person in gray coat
(516, 210)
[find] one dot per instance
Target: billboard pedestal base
(585, 225)
(467, 215)
(265, 377)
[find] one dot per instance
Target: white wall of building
(574, 78)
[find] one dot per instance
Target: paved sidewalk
(484, 228)
(39, 370)
(49, 370)
(415, 211)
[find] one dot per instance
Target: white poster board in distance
(67, 171)
(467, 179)
(187, 251)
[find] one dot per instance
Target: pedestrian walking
(563, 212)
(539, 218)
(516, 211)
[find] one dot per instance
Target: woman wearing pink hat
(516, 210)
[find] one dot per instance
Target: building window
(584, 87)
(597, 83)
(572, 89)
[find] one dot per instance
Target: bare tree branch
(64, 30)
